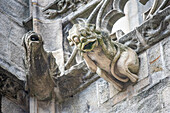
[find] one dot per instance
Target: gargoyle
(40, 67)
(111, 60)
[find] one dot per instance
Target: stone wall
(12, 15)
(149, 95)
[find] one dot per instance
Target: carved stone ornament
(61, 6)
(112, 61)
(44, 80)
(40, 67)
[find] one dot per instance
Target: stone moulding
(59, 7)
(149, 33)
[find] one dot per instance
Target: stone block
(24, 2)
(14, 9)
(83, 102)
(143, 70)
(16, 34)
(120, 97)
(154, 59)
(16, 55)
(157, 76)
(102, 91)
(120, 107)
(166, 97)
(141, 84)
(8, 106)
(166, 53)
(3, 46)
(5, 24)
(148, 105)
(156, 68)
(113, 90)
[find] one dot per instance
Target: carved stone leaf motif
(148, 33)
(61, 6)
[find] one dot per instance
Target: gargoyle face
(84, 37)
(32, 41)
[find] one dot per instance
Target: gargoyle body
(112, 61)
(40, 67)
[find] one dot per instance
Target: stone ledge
(149, 33)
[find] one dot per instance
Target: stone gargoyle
(40, 67)
(114, 62)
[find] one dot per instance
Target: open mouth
(89, 46)
(34, 38)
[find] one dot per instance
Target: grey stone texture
(12, 14)
(7, 106)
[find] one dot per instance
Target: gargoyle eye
(34, 38)
(76, 39)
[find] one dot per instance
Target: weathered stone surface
(149, 33)
(83, 102)
(166, 57)
(155, 64)
(8, 106)
(16, 55)
(151, 101)
(143, 70)
(3, 46)
(142, 97)
(141, 84)
(14, 9)
(11, 33)
(166, 97)
(120, 97)
(113, 90)
(102, 91)
(131, 40)
(13, 89)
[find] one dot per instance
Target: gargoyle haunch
(111, 60)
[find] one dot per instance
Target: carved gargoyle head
(84, 36)
(32, 41)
